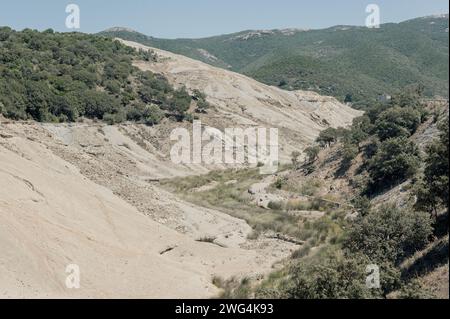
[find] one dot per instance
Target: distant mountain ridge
(351, 62)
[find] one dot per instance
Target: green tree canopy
(389, 234)
(435, 189)
(397, 122)
(396, 160)
(49, 76)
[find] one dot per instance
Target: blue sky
(200, 18)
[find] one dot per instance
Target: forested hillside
(48, 76)
(354, 64)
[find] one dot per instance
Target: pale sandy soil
(241, 101)
(86, 194)
(52, 216)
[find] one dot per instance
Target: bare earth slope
(241, 101)
(52, 216)
(86, 194)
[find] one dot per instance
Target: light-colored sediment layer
(52, 216)
(85, 194)
(241, 101)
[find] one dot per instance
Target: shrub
(202, 104)
(362, 125)
(296, 204)
(302, 252)
(280, 183)
(202, 107)
(113, 87)
(312, 153)
(414, 290)
(327, 137)
(179, 103)
(371, 148)
(389, 234)
(397, 122)
(110, 119)
(434, 190)
(97, 104)
(362, 205)
(335, 278)
(349, 152)
(295, 159)
(395, 161)
(276, 205)
(310, 186)
(148, 114)
(152, 115)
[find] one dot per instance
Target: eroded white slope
(242, 101)
(53, 211)
(52, 216)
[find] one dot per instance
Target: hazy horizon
(199, 19)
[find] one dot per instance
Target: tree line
(61, 77)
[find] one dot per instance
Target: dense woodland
(55, 77)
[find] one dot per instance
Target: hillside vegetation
(381, 147)
(373, 194)
(354, 64)
(48, 76)
(372, 189)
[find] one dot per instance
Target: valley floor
(83, 194)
